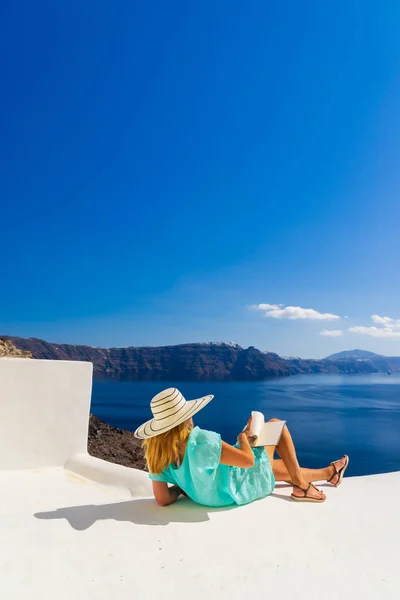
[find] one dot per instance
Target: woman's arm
(165, 495)
(238, 457)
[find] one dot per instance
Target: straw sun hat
(169, 409)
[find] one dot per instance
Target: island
(207, 361)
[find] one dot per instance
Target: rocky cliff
(114, 445)
(188, 362)
(7, 348)
(185, 362)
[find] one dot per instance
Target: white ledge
(136, 482)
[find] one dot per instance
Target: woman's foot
(307, 492)
(337, 469)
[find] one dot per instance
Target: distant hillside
(196, 362)
(356, 354)
(375, 362)
(184, 362)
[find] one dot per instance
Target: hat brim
(152, 427)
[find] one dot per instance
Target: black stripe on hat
(182, 399)
(156, 403)
(166, 427)
(172, 414)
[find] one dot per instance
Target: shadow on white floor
(139, 511)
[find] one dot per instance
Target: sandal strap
(306, 490)
(315, 488)
(337, 471)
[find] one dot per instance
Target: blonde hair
(162, 450)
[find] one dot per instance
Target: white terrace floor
(63, 537)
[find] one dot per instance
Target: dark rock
(114, 445)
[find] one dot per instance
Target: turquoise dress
(207, 482)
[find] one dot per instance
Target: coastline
(201, 361)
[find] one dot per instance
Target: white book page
(270, 434)
(257, 423)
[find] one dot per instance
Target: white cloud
(276, 311)
(331, 332)
(384, 328)
(267, 306)
(377, 332)
(387, 321)
(296, 312)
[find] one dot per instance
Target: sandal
(339, 472)
(306, 498)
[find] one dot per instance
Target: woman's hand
(247, 430)
(164, 494)
(243, 456)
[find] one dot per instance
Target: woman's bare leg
(282, 474)
(287, 452)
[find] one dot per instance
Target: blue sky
(167, 167)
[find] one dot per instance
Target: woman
(213, 473)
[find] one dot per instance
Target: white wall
(44, 411)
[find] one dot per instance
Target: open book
(265, 434)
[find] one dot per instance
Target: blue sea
(328, 415)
